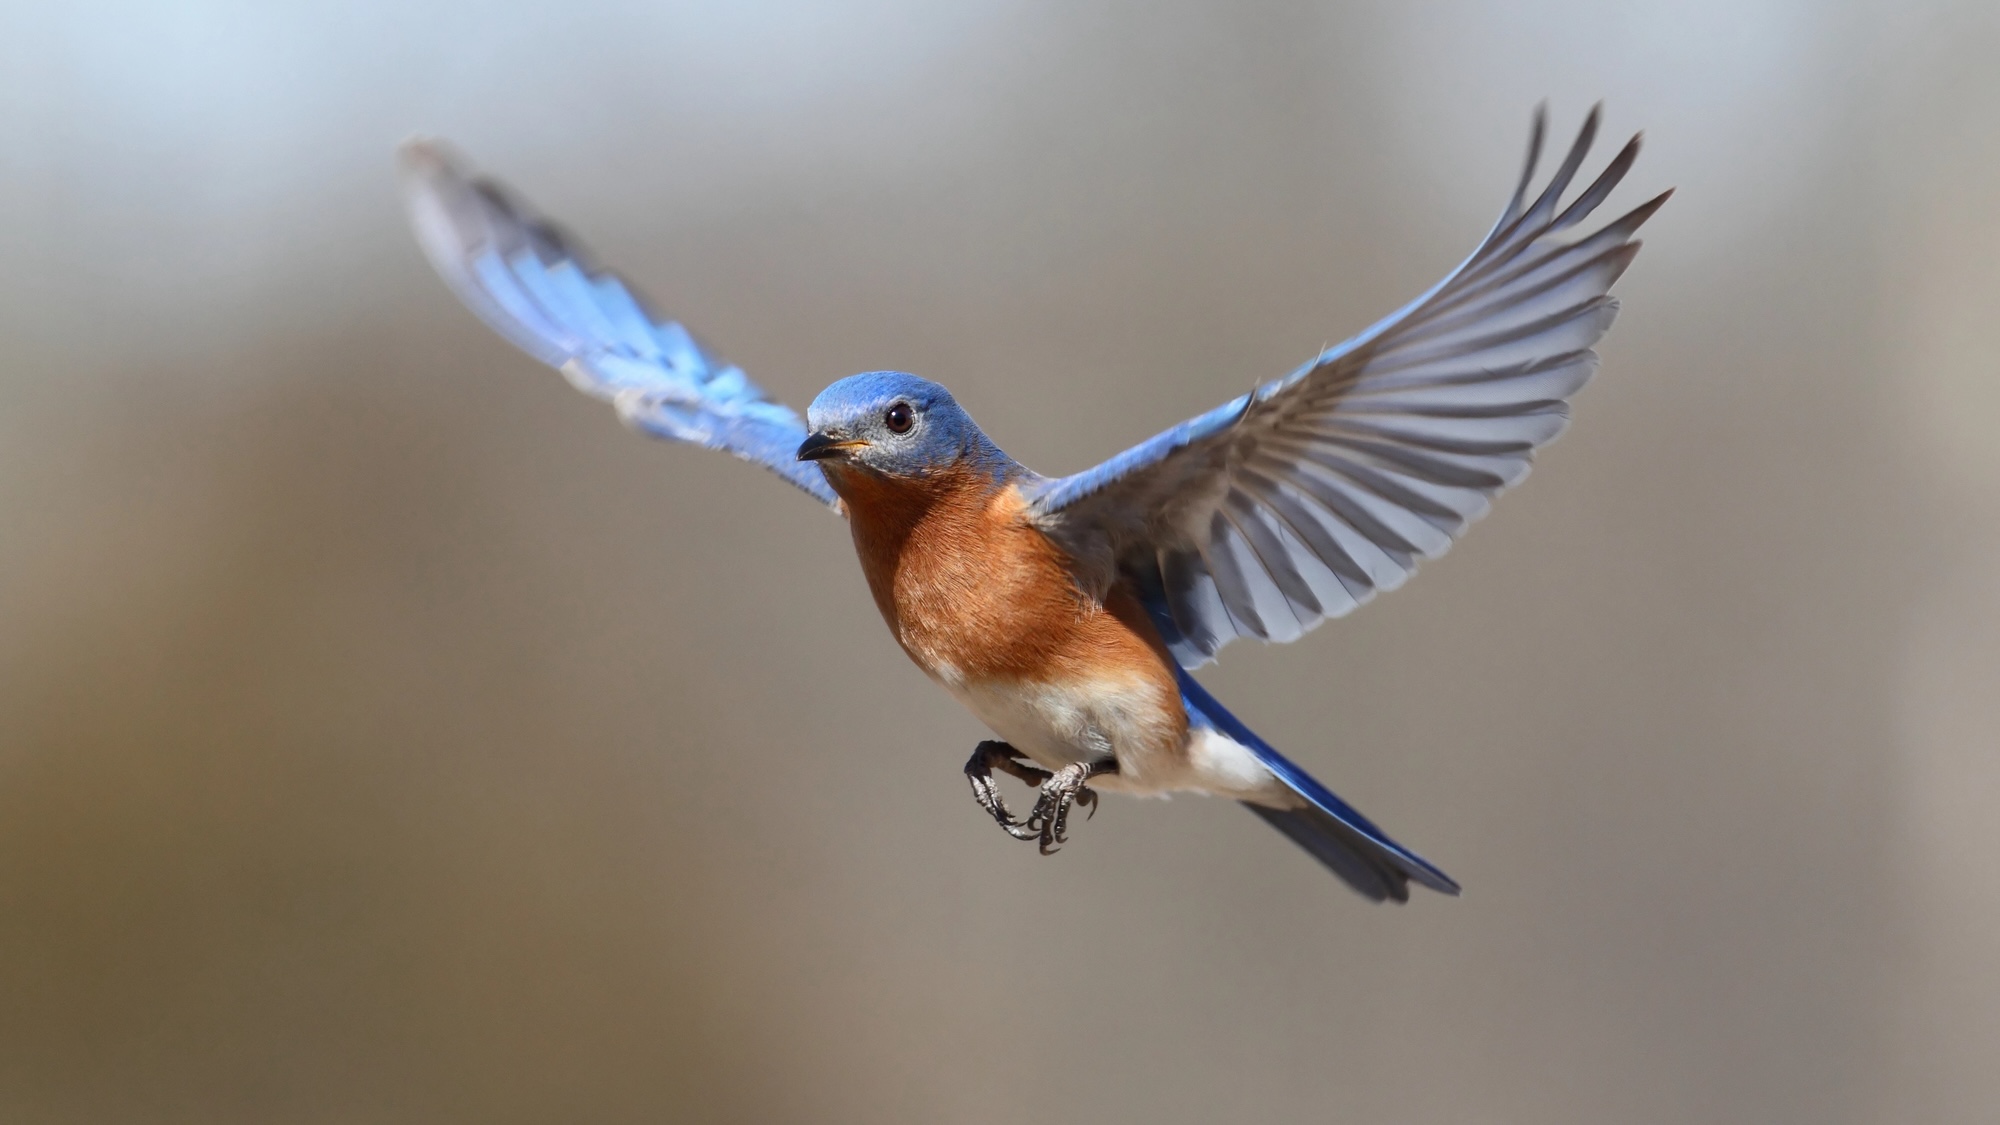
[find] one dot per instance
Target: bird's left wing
(538, 288)
(1302, 499)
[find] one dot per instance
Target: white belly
(1060, 724)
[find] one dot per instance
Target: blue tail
(1349, 845)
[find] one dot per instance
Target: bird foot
(987, 757)
(1048, 822)
(1064, 788)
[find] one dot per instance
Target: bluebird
(1067, 613)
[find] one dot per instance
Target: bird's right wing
(538, 288)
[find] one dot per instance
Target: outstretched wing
(1302, 499)
(537, 287)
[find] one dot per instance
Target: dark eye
(898, 418)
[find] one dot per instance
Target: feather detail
(1305, 498)
(538, 288)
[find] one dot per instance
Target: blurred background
(387, 736)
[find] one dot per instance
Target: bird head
(894, 425)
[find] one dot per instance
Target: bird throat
(919, 539)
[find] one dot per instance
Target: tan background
(386, 736)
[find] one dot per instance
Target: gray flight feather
(1303, 499)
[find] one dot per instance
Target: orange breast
(975, 594)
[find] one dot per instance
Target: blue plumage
(1262, 517)
(940, 435)
(1348, 843)
(538, 288)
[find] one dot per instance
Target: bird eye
(898, 418)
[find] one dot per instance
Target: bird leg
(1063, 789)
(979, 768)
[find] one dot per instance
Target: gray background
(386, 736)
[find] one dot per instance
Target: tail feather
(1329, 828)
(1344, 851)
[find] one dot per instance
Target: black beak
(819, 447)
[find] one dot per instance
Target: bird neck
(888, 509)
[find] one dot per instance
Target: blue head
(897, 425)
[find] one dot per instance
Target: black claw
(1048, 822)
(1059, 793)
(979, 773)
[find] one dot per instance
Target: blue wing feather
(1305, 498)
(541, 291)
(1055, 494)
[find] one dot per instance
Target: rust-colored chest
(974, 593)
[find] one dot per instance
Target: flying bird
(1066, 613)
